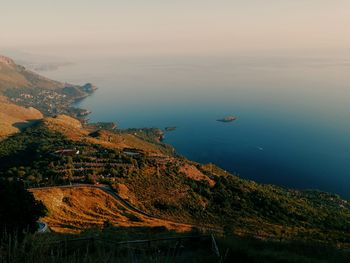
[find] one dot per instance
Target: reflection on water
(293, 114)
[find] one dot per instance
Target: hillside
(26, 88)
(160, 187)
(14, 117)
(16, 76)
(76, 209)
(72, 129)
(151, 178)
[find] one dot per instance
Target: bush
(132, 217)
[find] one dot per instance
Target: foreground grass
(107, 246)
(259, 251)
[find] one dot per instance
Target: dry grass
(13, 117)
(72, 210)
(72, 129)
(124, 192)
(10, 77)
(14, 76)
(192, 172)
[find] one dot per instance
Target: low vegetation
(160, 245)
(28, 89)
(144, 184)
(77, 209)
(166, 186)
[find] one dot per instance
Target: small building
(67, 152)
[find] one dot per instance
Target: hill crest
(14, 117)
(27, 88)
(6, 60)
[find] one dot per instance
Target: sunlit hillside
(14, 117)
(72, 210)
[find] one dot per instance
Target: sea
(293, 113)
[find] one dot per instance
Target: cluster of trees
(234, 198)
(241, 204)
(30, 157)
(19, 211)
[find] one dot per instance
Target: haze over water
(293, 113)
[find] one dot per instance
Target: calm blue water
(293, 114)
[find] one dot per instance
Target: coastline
(241, 156)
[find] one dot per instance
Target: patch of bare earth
(192, 172)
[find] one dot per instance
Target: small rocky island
(228, 119)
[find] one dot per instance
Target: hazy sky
(176, 26)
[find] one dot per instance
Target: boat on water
(172, 128)
(228, 119)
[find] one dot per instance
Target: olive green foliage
(31, 157)
(271, 211)
(49, 101)
(241, 206)
(236, 205)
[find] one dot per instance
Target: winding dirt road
(107, 189)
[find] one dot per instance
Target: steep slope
(74, 209)
(59, 151)
(13, 117)
(73, 130)
(147, 173)
(15, 76)
(26, 88)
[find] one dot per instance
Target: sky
(175, 27)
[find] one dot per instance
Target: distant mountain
(16, 76)
(27, 88)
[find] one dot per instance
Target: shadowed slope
(13, 117)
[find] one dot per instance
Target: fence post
(214, 246)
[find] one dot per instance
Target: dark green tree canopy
(19, 210)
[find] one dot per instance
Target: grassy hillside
(26, 88)
(240, 206)
(152, 179)
(35, 155)
(162, 187)
(15, 76)
(146, 244)
(14, 117)
(76, 209)
(72, 129)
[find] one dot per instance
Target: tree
(113, 172)
(19, 210)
